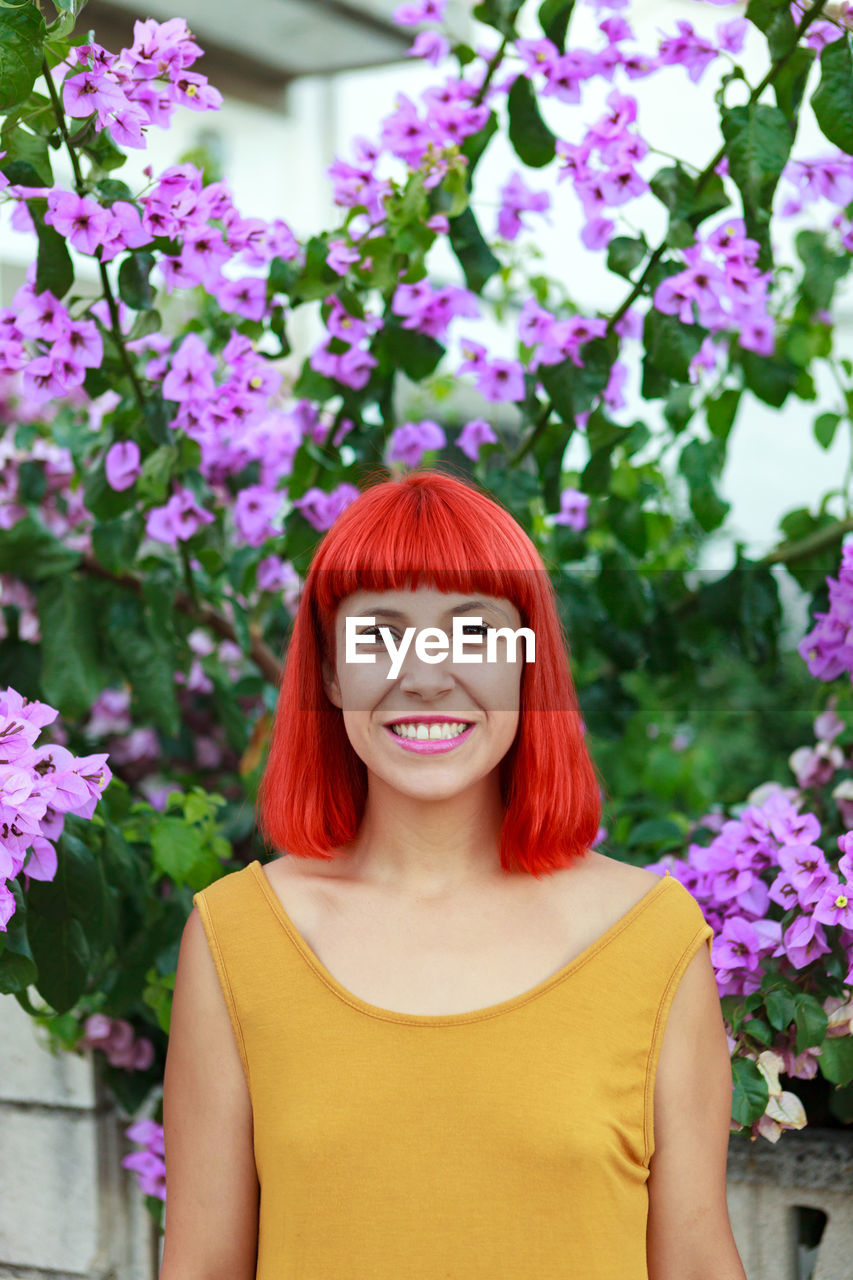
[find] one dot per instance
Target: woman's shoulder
(611, 875)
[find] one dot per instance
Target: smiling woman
(450, 1037)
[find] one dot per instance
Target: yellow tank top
(508, 1143)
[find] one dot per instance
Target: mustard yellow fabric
(509, 1143)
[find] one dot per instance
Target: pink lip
(426, 747)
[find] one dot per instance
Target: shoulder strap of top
(228, 911)
(687, 930)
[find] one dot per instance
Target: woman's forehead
(403, 598)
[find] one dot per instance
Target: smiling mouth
(436, 731)
(439, 739)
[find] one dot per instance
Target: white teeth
(429, 732)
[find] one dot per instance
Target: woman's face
(371, 694)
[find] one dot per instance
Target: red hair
(429, 528)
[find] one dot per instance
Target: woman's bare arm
(689, 1235)
(212, 1192)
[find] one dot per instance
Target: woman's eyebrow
(380, 611)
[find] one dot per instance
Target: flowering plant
(169, 469)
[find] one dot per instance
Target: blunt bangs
(430, 529)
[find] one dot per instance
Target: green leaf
(417, 354)
(670, 345)
(133, 283)
(475, 257)
(554, 18)
(475, 145)
(758, 141)
(824, 428)
(101, 148)
(32, 482)
(811, 1021)
(759, 1029)
(72, 671)
(721, 412)
(751, 1093)
(686, 200)
(27, 159)
(625, 254)
(698, 463)
(832, 100)
(836, 1059)
(177, 848)
(116, 542)
(22, 34)
(621, 590)
(32, 552)
(790, 82)
(771, 378)
(657, 832)
(628, 522)
(548, 451)
(54, 268)
(17, 966)
(781, 1009)
(534, 143)
(823, 268)
(499, 14)
(142, 650)
(61, 952)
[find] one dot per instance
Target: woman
(440, 1035)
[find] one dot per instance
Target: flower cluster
(827, 650)
(721, 288)
(142, 85)
(772, 895)
(116, 1038)
(351, 363)
(149, 1165)
(618, 148)
(38, 786)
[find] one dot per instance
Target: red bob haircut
(433, 529)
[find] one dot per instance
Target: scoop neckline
(448, 1019)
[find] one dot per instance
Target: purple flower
(688, 49)
(597, 233)
(79, 218)
(408, 15)
(274, 574)
(732, 35)
(538, 55)
(122, 464)
(341, 256)
(566, 337)
(430, 310)
(322, 509)
(246, 296)
(736, 947)
(473, 436)
(432, 46)
(254, 512)
(178, 520)
(517, 197)
(804, 941)
(88, 92)
(411, 441)
(828, 648)
(191, 374)
(573, 505)
(476, 357)
(501, 380)
(834, 906)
